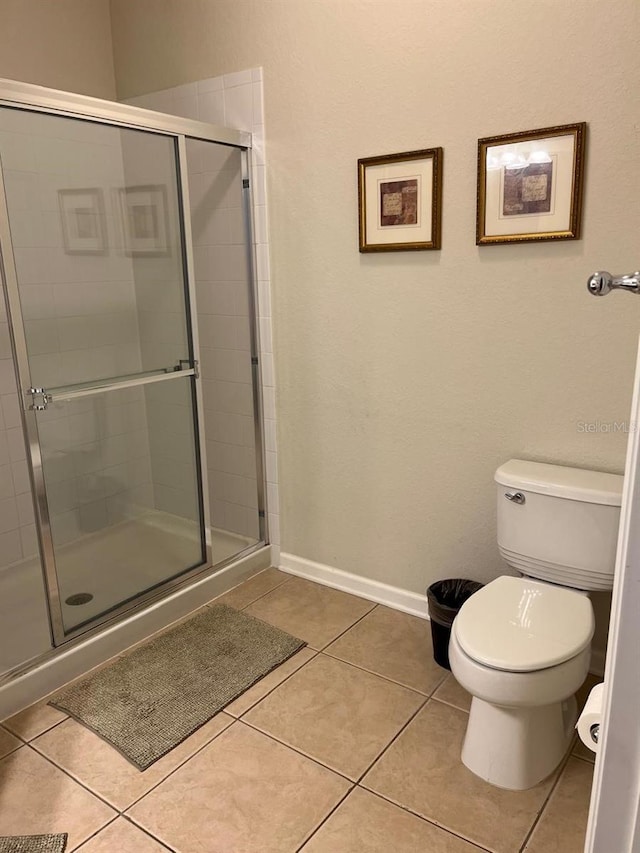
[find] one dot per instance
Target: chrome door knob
(602, 282)
(599, 284)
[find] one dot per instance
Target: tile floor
(352, 745)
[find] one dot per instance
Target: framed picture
(400, 201)
(145, 220)
(84, 229)
(530, 185)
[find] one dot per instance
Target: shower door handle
(601, 283)
(41, 397)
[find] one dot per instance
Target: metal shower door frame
(52, 102)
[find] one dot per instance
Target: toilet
(521, 646)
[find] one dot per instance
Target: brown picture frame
(400, 201)
(530, 185)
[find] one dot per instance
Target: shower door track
(40, 99)
(33, 98)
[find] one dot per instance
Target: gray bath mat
(33, 843)
(149, 701)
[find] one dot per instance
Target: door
(614, 823)
(93, 253)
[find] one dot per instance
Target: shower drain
(79, 598)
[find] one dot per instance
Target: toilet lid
(520, 625)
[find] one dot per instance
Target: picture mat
(562, 150)
(404, 170)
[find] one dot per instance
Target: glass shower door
(100, 314)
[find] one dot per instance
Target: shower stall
(131, 462)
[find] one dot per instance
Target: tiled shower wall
(222, 288)
(222, 294)
(236, 101)
(80, 317)
(159, 289)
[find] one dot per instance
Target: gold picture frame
(400, 201)
(530, 185)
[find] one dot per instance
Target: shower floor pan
(110, 565)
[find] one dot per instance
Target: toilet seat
(522, 625)
(518, 689)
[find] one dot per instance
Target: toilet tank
(562, 525)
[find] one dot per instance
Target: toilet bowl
(521, 646)
(523, 708)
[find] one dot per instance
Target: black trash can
(445, 599)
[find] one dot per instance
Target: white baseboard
(382, 593)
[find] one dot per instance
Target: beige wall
(405, 379)
(64, 44)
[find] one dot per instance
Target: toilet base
(515, 748)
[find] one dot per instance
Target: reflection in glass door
(100, 313)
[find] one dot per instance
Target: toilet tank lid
(561, 481)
